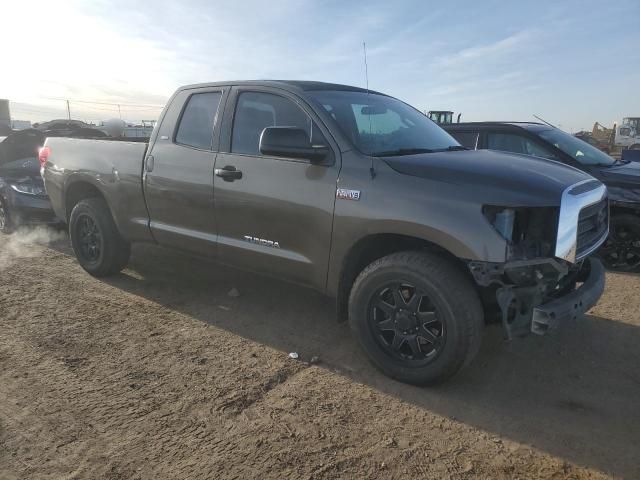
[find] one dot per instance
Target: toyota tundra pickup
(353, 193)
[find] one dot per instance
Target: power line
(83, 109)
(107, 103)
(40, 110)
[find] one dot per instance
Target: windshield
(581, 151)
(383, 126)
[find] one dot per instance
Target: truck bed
(113, 167)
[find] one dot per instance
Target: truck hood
(501, 178)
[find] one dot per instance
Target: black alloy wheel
(418, 316)
(96, 241)
(406, 324)
(89, 239)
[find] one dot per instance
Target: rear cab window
(195, 128)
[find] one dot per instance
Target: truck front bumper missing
(536, 296)
(572, 305)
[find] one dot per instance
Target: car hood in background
(503, 177)
(622, 181)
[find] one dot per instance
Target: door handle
(149, 163)
(228, 173)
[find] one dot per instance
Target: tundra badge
(262, 241)
(344, 194)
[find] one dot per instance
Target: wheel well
(373, 247)
(79, 191)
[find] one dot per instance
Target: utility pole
(119, 113)
(68, 111)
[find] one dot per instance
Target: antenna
(372, 170)
(366, 68)
(544, 121)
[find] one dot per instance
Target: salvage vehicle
(23, 199)
(622, 177)
(352, 193)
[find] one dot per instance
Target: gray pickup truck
(355, 194)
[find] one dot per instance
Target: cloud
(485, 52)
(476, 56)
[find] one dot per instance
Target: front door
(178, 177)
(274, 215)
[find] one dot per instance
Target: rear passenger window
(466, 139)
(510, 142)
(256, 111)
(196, 124)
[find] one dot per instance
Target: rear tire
(95, 239)
(418, 317)
(6, 220)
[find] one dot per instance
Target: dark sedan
(23, 199)
(622, 177)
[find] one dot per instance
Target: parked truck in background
(627, 134)
(616, 141)
(352, 193)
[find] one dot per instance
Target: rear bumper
(572, 305)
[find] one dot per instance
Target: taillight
(43, 155)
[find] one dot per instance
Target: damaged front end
(536, 295)
(548, 277)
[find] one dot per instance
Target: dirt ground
(160, 373)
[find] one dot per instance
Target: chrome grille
(593, 223)
(583, 222)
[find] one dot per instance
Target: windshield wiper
(402, 151)
(619, 161)
(452, 148)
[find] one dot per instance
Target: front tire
(95, 239)
(417, 316)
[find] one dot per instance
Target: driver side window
(256, 111)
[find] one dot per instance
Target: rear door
(276, 216)
(178, 172)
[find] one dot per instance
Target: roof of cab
(291, 85)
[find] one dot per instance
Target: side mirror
(291, 142)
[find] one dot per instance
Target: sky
(571, 62)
